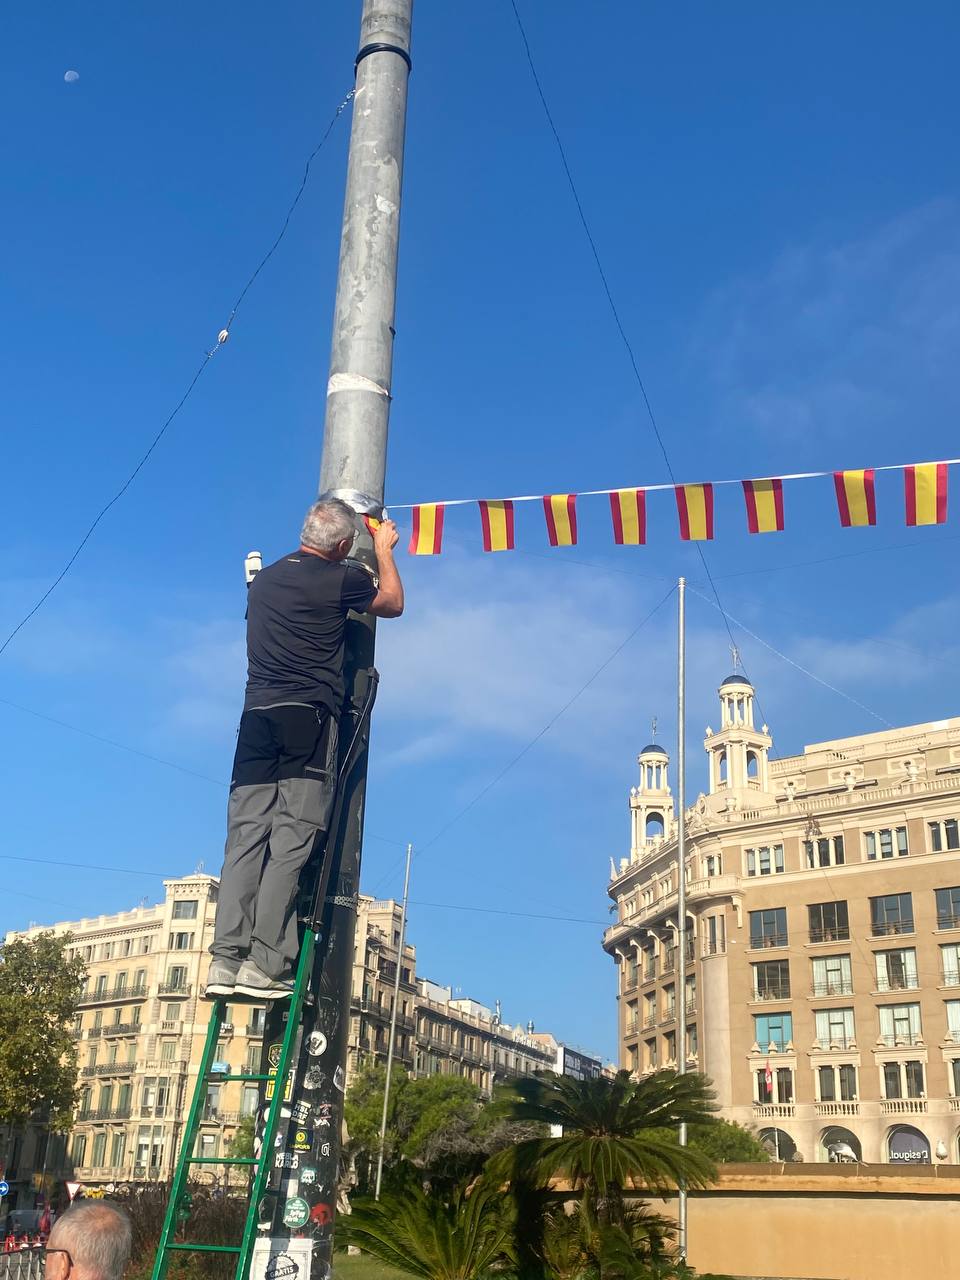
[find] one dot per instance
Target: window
(825, 852)
(891, 914)
(185, 909)
(765, 861)
(691, 995)
(121, 983)
(712, 865)
(955, 1076)
(650, 1054)
(101, 985)
(106, 951)
(885, 843)
(950, 964)
(167, 1050)
(177, 977)
(773, 1029)
(145, 944)
(784, 1084)
(124, 1097)
(903, 1080)
(897, 970)
(829, 1078)
(831, 976)
(692, 1049)
(771, 980)
(181, 942)
(828, 922)
(948, 908)
(249, 1100)
(171, 1013)
(900, 1024)
(944, 835)
(835, 1028)
(98, 1156)
(117, 1149)
(669, 1002)
(670, 1046)
(127, 944)
(78, 1150)
(716, 943)
(768, 928)
(953, 1020)
(140, 980)
(258, 1019)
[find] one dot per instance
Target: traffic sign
(4, 1188)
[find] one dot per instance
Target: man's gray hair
(327, 524)
(97, 1235)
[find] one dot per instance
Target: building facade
(142, 1024)
(822, 936)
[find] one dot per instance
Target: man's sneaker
(221, 977)
(253, 982)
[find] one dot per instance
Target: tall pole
(682, 883)
(305, 1183)
(393, 1023)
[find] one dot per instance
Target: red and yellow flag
(497, 520)
(372, 524)
(427, 536)
(628, 507)
(695, 508)
(855, 497)
(561, 512)
(926, 493)
(764, 505)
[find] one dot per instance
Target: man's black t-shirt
(296, 612)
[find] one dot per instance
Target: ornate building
(822, 936)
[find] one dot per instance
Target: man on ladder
(285, 768)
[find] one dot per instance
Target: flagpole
(681, 889)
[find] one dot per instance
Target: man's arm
(388, 602)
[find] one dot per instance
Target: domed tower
(738, 751)
(651, 803)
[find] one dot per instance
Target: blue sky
(774, 193)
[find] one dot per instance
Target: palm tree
(459, 1238)
(612, 1131)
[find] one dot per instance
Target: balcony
(104, 1113)
(833, 1110)
(761, 943)
(713, 947)
(773, 991)
(774, 1110)
(954, 1104)
(631, 1028)
(650, 1020)
(255, 1028)
(898, 983)
(832, 987)
(946, 920)
(649, 970)
(903, 1106)
(835, 1042)
(835, 933)
(900, 1038)
(108, 994)
(631, 979)
(890, 928)
(951, 977)
(109, 1069)
(174, 989)
(121, 1029)
(170, 1024)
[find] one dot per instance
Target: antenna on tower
(653, 729)
(735, 654)
(199, 868)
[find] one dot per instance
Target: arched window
(906, 1145)
(779, 1143)
(753, 765)
(722, 767)
(839, 1146)
(654, 828)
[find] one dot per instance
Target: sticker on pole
(302, 1140)
(296, 1213)
(280, 1259)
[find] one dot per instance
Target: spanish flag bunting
(628, 507)
(561, 512)
(695, 508)
(427, 535)
(372, 523)
(855, 497)
(497, 520)
(764, 505)
(926, 493)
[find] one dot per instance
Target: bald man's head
(97, 1237)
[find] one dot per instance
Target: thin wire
(786, 658)
(498, 911)
(208, 356)
(610, 299)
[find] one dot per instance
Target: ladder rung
(220, 1160)
(207, 1248)
(216, 1076)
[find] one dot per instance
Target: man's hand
(385, 536)
(388, 602)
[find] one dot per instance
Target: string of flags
(925, 502)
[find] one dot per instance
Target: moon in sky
(72, 77)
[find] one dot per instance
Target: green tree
(241, 1144)
(40, 990)
(460, 1237)
(613, 1131)
(725, 1142)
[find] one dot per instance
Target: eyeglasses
(48, 1252)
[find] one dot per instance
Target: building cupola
(651, 803)
(738, 752)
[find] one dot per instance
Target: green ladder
(260, 1165)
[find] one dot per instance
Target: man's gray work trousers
(281, 795)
